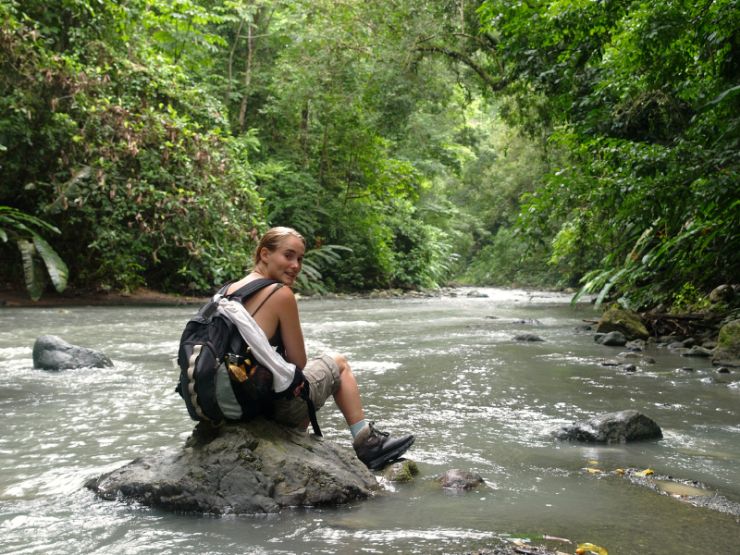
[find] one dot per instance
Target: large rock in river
(54, 353)
(612, 427)
(252, 468)
(727, 352)
(624, 321)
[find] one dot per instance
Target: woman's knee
(342, 363)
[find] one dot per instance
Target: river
(446, 369)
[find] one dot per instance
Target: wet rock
(613, 427)
(728, 345)
(636, 345)
(530, 337)
(477, 295)
(54, 353)
(611, 339)
(624, 321)
(631, 355)
(723, 370)
(697, 351)
(514, 548)
(689, 491)
(685, 369)
(401, 471)
(252, 468)
(629, 368)
(460, 480)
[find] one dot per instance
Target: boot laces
(374, 432)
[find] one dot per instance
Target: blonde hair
(273, 237)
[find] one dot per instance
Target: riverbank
(141, 297)
(149, 297)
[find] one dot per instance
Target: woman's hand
(297, 391)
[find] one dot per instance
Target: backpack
(210, 341)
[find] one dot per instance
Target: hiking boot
(376, 449)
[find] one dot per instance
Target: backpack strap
(249, 289)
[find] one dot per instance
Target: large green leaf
(31, 271)
(58, 271)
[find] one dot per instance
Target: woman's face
(285, 262)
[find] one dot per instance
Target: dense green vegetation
(413, 143)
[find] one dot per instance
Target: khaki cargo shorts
(322, 374)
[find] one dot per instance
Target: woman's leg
(347, 397)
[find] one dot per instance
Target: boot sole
(391, 455)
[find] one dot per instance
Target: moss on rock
(625, 321)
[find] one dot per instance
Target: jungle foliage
(561, 142)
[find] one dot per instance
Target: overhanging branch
(494, 84)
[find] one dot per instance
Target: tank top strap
(270, 294)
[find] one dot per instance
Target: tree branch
(495, 85)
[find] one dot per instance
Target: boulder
(613, 427)
(624, 321)
(54, 353)
(722, 294)
(257, 467)
(727, 352)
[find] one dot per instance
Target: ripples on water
(446, 369)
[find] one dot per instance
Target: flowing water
(446, 369)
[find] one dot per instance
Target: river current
(446, 369)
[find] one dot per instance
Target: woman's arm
(286, 308)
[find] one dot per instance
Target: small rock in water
(460, 480)
(401, 471)
(528, 337)
(612, 339)
(697, 351)
(636, 345)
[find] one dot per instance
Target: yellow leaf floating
(619, 471)
(593, 470)
(587, 547)
(646, 472)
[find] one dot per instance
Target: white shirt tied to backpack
(283, 371)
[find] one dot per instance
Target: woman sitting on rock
(279, 256)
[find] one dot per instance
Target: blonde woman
(279, 256)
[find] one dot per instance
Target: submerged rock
(252, 468)
(613, 427)
(689, 491)
(54, 353)
(530, 337)
(460, 480)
